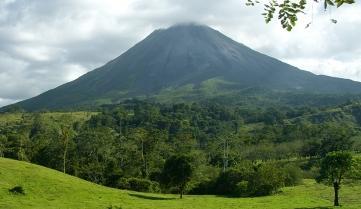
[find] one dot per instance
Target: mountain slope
(185, 59)
(46, 188)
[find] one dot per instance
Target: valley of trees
(223, 149)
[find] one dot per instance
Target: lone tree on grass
(333, 168)
(177, 172)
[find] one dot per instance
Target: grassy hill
(46, 188)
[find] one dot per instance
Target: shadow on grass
(227, 196)
(246, 196)
(151, 197)
(315, 208)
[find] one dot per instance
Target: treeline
(232, 150)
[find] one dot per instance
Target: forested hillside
(126, 145)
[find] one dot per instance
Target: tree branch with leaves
(288, 11)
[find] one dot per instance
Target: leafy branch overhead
(288, 10)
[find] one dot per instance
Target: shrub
(355, 172)
(251, 180)
(242, 189)
(232, 182)
(204, 187)
(203, 180)
(114, 207)
(267, 179)
(137, 184)
(226, 183)
(311, 173)
(17, 190)
(292, 175)
(123, 183)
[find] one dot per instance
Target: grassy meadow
(47, 188)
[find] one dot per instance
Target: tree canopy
(177, 172)
(236, 150)
(333, 169)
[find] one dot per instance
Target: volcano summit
(185, 62)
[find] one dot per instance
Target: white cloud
(46, 43)
(331, 67)
(74, 71)
(4, 102)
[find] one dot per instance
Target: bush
(355, 172)
(204, 187)
(137, 184)
(251, 180)
(203, 180)
(266, 180)
(17, 190)
(114, 207)
(123, 184)
(311, 173)
(292, 175)
(232, 182)
(242, 189)
(226, 183)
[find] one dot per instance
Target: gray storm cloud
(44, 44)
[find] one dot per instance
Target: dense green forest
(232, 149)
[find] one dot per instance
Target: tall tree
(65, 134)
(333, 169)
(177, 172)
(95, 151)
(141, 136)
(3, 141)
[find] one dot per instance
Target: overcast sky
(45, 43)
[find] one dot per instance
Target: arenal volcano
(185, 61)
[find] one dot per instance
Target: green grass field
(46, 188)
